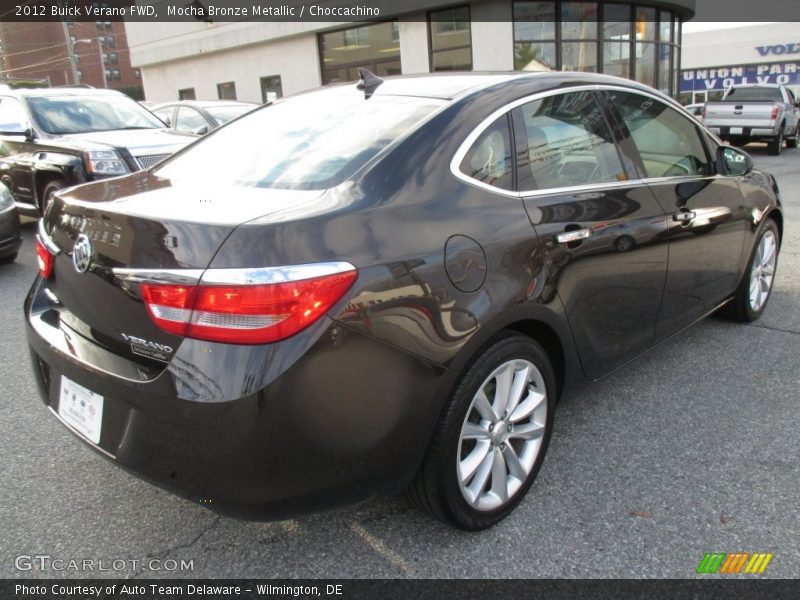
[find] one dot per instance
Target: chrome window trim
(466, 145)
(253, 276)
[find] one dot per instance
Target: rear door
(601, 230)
(705, 212)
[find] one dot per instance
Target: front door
(603, 235)
(705, 213)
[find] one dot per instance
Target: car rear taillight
(44, 259)
(251, 312)
(775, 110)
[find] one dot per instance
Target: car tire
(49, 190)
(503, 452)
(754, 290)
(775, 145)
(6, 260)
(793, 142)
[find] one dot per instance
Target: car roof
(66, 91)
(450, 86)
(204, 103)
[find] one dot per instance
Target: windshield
(310, 142)
(59, 115)
(223, 114)
(755, 94)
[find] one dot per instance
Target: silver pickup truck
(750, 113)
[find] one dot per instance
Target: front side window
(312, 142)
(668, 143)
(189, 120)
(165, 114)
(489, 159)
(566, 142)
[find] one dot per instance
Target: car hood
(139, 142)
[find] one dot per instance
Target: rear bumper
(348, 419)
(761, 132)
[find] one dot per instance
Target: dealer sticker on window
(81, 408)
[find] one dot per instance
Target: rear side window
(566, 142)
(312, 142)
(489, 158)
(668, 143)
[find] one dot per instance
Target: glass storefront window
(616, 21)
(645, 63)
(534, 21)
(451, 41)
(645, 24)
(374, 47)
(664, 72)
(616, 58)
(532, 56)
(578, 20)
(665, 33)
(627, 40)
(579, 56)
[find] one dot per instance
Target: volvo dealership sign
(778, 49)
(720, 78)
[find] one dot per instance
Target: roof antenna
(368, 82)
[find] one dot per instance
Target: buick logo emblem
(82, 253)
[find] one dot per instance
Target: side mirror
(16, 129)
(732, 161)
(202, 130)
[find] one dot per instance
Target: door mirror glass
(13, 129)
(733, 161)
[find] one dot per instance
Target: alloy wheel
(502, 435)
(762, 272)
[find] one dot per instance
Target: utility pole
(70, 54)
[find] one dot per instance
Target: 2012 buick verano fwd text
(387, 286)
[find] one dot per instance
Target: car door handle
(569, 237)
(684, 216)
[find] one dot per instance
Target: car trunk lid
(141, 223)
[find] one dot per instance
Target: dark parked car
(390, 287)
(10, 237)
(200, 117)
(57, 137)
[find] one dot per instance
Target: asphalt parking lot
(692, 449)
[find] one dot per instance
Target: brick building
(93, 53)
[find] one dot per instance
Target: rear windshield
(310, 142)
(223, 114)
(755, 94)
(60, 115)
